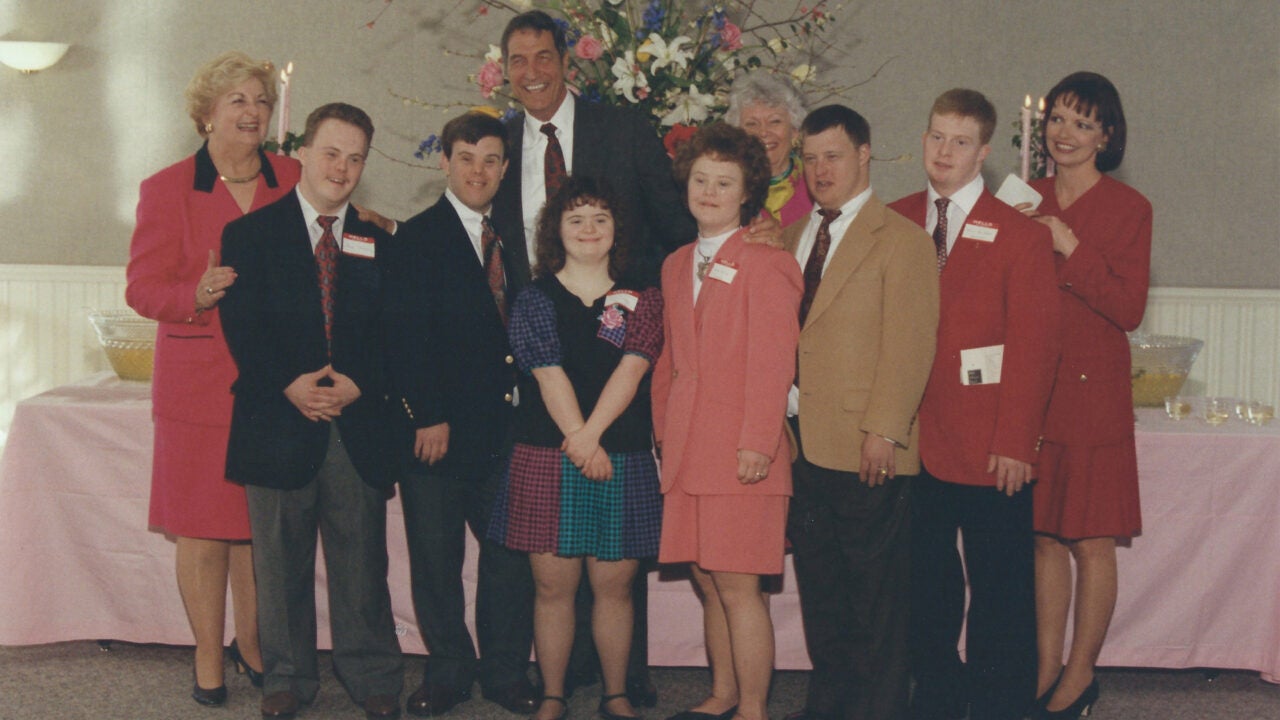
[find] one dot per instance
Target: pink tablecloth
(1200, 588)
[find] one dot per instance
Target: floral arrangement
(673, 60)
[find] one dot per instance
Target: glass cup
(1241, 409)
(1260, 413)
(1177, 407)
(1217, 410)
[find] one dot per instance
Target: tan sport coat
(867, 345)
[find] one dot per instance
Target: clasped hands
(582, 447)
(321, 395)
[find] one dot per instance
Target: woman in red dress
(174, 277)
(1087, 494)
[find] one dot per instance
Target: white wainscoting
(46, 340)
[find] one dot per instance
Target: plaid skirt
(545, 504)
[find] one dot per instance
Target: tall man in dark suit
(980, 423)
(308, 425)
(559, 134)
(869, 319)
(453, 379)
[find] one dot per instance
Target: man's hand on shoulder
(765, 229)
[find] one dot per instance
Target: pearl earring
(208, 128)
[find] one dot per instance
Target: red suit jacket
(992, 293)
(1103, 288)
(721, 382)
(181, 212)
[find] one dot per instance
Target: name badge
(723, 272)
(978, 230)
(625, 298)
(981, 366)
(357, 245)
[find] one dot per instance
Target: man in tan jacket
(868, 323)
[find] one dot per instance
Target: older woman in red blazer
(1088, 490)
(174, 277)
(731, 316)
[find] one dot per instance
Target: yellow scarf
(781, 190)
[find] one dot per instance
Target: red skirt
(1087, 491)
(190, 495)
(724, 533)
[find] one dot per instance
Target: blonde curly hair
(219, 75)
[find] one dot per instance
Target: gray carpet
(77, 680)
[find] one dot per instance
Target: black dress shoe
(642, 692)
(606, 714)
(382, 706)
(1079, 708)
(695, 715)
(518, 697)
(430, 699)
(242, 666)
(212, 698)
(280, 705)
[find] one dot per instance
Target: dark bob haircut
(579, 190)
(726, 143)
(1089, 93)
(471, 128)
(539, 22)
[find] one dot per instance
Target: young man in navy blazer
(308, 425)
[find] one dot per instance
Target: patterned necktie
(327, 273)
(553, 166)
(491, 249)
(940, 232)
(817, 260)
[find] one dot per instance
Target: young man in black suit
(453, 381)
(308, 427)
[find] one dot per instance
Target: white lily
(690, 107)
(666, 54)
(629, 77)
(494, 54)
(608, 38)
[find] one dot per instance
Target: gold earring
(208, 128)
(1102, 147)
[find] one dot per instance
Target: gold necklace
(240, 180)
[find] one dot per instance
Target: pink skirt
(1088, 491)
(724, 533)
(190, 495)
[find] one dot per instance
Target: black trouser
(437, 509)
(852, 556)
(998, 680)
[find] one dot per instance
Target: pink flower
(490, 78)
(589, 48)
(612, 317)
(730, 37)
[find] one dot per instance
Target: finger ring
(209, 290)
(884, 471)
(760, 474)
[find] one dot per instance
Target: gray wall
(1200, 81)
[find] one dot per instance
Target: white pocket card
(981, 366)
(1015, 190)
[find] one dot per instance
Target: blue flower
(432, 144)
(571, 35)
(654, 14)
(508, 114)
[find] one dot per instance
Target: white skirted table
(1199, 588)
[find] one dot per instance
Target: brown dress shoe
(518, 697)
(430, 699)
(382, 706)
(280, 705)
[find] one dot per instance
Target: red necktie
(817, 260)
(940, 232)
(553, 166)
(327, 273)
(491, 249)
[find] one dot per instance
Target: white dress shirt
(472, 222)
(310, 214)
(839, 226)
(533, 179)
(962, 202)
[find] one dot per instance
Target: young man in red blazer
(980, 423)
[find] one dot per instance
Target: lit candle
(282, 125)
(1048, 158)
(1026, 139)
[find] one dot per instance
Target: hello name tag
(357, 245)
(982, 231)
(981, 366)
(722, 272)
(625, 298)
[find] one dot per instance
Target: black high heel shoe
(604, 712)
(1078, 709)
(242, 666)
(209, 698)
(1042, 702)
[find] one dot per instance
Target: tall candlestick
(1026, 139)
(1048, 157)
(282, 125)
